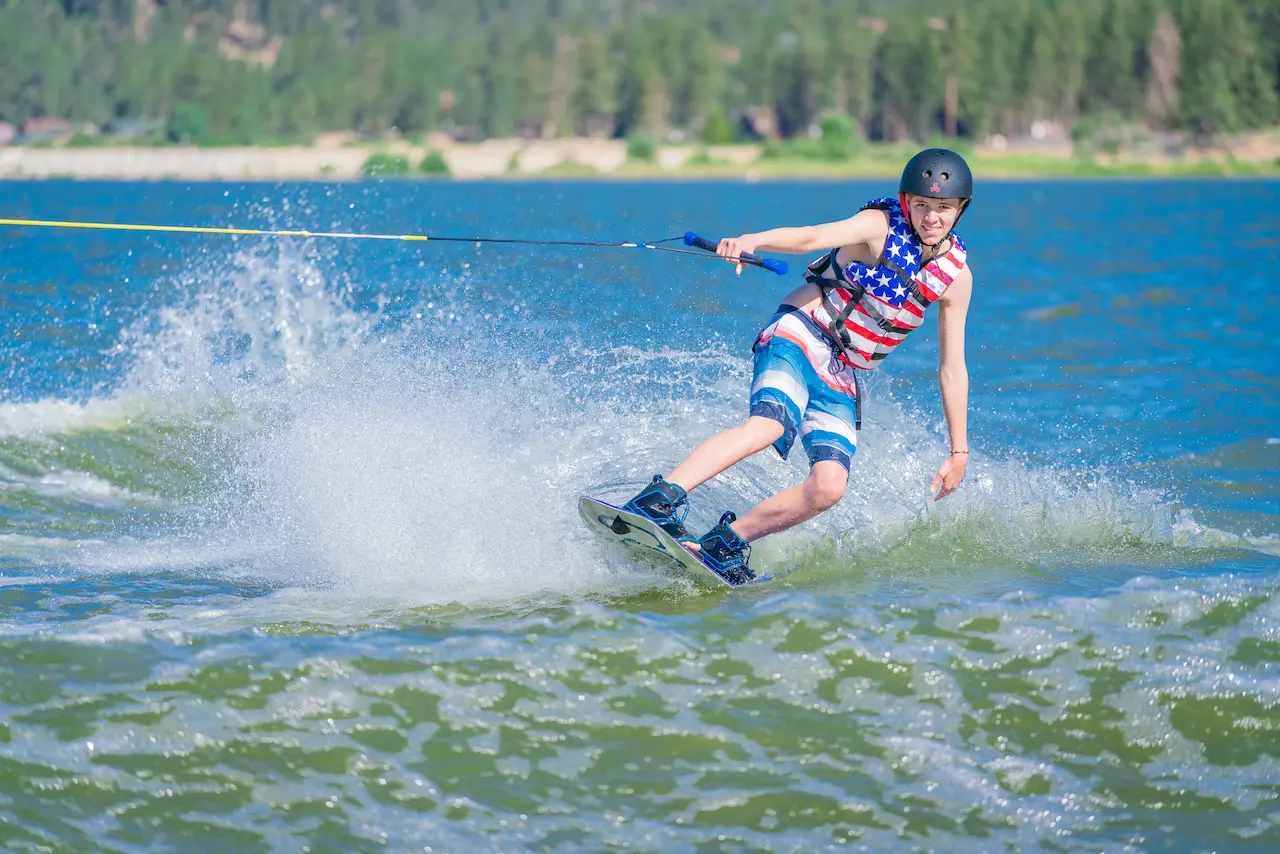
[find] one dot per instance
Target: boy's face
(933, 218)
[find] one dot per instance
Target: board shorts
(799, 382)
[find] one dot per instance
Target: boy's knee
(826, 485)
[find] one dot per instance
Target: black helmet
(937, 174)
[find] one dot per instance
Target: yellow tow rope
(705, 248)
(189, 229)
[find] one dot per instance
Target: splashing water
(394, 454)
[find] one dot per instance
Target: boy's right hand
(735, 247)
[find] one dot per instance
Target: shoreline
(597, 159)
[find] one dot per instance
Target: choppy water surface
(290, 559)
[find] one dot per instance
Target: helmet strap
(902, 200)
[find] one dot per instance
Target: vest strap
(857, 399)
(814, 276)
(911, 285)
(855, 339)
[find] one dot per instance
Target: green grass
(567, 169)
(886, 161)
(382, 165)
(434, 164)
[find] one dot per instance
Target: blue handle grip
(771, 264)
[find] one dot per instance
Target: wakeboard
(637, 532)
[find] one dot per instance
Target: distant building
(758, 123)
(47, 130)
(7, 133)
(133, 127)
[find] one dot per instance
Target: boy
(884, 267)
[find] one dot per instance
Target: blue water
(289, 554)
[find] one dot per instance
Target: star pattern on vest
(901, 248)
(887, 287)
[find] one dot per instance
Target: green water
(767, 722)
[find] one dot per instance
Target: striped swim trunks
(798, 382)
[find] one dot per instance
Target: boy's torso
(808, 298)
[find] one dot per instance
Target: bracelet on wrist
(953, 453)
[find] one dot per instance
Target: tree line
(246, 71)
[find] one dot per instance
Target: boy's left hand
(731, 248)
(950, 474)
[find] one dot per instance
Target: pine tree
(992, 98)
(640, 98)
(1165, 61)
(796, 92)
(1114, 80)
(846, 53)
(700, 83)
(1208, 103)
(1251, 67)
(1072, 21)
(501, 92)
(593, 100)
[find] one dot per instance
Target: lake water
(290, 559)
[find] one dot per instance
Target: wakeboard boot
(725, 553)
(664, 504)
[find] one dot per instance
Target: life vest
(870, 309)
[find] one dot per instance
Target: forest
(256, 71)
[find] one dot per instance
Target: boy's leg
(665, 502)
(795, 391)
(830, 441)
(779, 395)
(725, 449)
(821, 490)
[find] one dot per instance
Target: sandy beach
(491, 158)
(336, 157)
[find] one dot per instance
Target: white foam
(394, 477)
(53, 417)
(76, 486)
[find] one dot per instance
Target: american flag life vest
(870, 310)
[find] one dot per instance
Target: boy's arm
(953, 380)
(862, 227)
